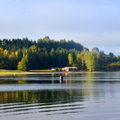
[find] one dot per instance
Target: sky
(92, 23)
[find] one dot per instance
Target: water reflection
(41, 96)
(47, 102)
(80, 94)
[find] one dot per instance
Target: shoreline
(15, 72)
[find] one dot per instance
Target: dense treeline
(16, 44)
(24, 54)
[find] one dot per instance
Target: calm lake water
(83, 96)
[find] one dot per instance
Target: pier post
(61, 79)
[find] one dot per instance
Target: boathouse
(67, 69)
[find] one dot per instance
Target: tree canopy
(25, 54)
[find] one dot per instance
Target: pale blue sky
(93, 23)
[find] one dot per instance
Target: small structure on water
(67, 69)
(61, 79)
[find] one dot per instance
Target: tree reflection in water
(41, 96)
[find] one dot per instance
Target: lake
(81, 96)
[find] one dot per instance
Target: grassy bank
(8, 72)
(28, 72)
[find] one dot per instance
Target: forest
(24, 54)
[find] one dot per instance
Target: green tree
(13, 60)
(70, 59)
(3, 58)
(90, 61)
(79, 61)
(82, 54)
(52, 55)
(24, 64)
